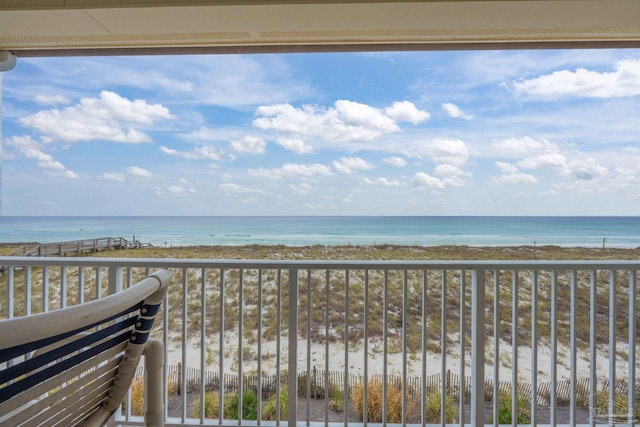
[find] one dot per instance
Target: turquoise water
(621, 232)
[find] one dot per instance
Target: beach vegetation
(137, 396)
(249, 406)
(373, 412)
(211, 405)
(336, 399)
(269, 410)
(505, 410)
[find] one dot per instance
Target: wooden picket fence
(322, 381)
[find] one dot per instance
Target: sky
(532, 132)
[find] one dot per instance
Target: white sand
(395, 360)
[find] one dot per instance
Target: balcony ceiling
(117, 27)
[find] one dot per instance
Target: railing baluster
(203, 339)
(345, 391)
(308, 346)
(326, 348)
(45, 289)
(260, 285)
(365, 384)
(292, 383)
(514, 349)
(183, 376)
(592, 348)
(165, 338)
(27, 291)
(63, 286)
(534, 349)
(405, 323)
(574, 350)
(278, 344)
(554, 347)
(11, 297)
(423, 392)
(612, 343)
(631, 401)
(221, 349)
(385, 339)
(81, 285)
(496, 344)
(477, 346)
(461, 388)
(115, 280)
(443, 350)
(240, 342)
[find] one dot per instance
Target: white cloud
(118, 177)
(347, 121)
(349, 165)
(51, 99)
(515, 178)
(304, 188)
(232, 188)
(203, 152)
(582, 170)
(448, 151)
(454, 111)
(507, 168)
(137, 171)
(296, 145)
(520, 147)
(585, 170)
(292, 169)
(109, 117)
(449, 171)
(395, 161)
(422, 179)
(66, 174)
(31, 149)
(180, 191)
(249, 145)
(405, 111)
(383, 182)
(548, 161)
(583, 83)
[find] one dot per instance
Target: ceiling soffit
(42, 28)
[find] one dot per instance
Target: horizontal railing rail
(373, 342)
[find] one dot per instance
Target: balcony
(375, 343)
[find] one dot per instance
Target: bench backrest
(60, 367)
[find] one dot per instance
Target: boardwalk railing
(79, 246)
(555, 342)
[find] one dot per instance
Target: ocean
(620, 232)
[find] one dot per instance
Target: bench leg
(154, 370)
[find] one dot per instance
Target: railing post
(115, 280)
(292, 371)
(477, 347)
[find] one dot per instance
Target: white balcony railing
(555, 342)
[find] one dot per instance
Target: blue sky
(546, 132)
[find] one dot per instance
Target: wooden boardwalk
(78, 247)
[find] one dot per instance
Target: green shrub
(211, 405)
(269, 408)
(432, 407)
(505, 413)
(336, 400)
(249, 406)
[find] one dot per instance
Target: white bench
(73, 366)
